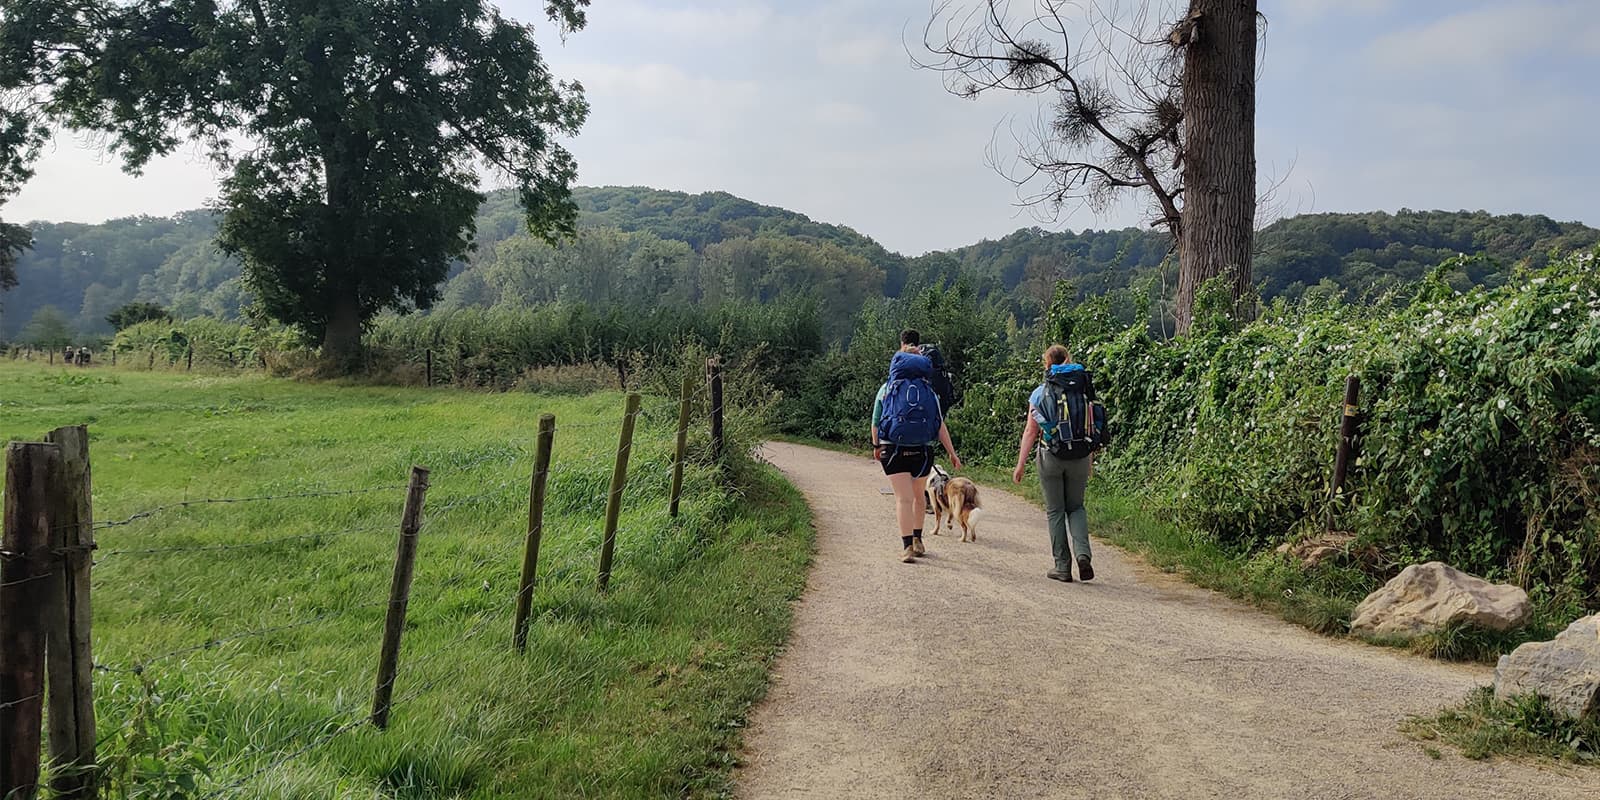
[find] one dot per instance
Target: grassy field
(640, 692)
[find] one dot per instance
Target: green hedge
(1479, 440)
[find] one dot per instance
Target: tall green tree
(48, 329)
(366, 125)
(130, 314)
(22, 134)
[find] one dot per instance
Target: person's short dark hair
(910, 336)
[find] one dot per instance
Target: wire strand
(150, 512)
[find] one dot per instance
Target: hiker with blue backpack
(1068, 425)
(906, 422)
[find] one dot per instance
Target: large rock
(1566, 671)
(1425, 598)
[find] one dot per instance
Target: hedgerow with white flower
(1479, 414)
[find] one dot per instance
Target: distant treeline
(642, 248)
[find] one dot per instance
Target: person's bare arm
(949, 447)
(1030, 434)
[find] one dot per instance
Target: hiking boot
(917, 548)
(1065, 576)
(1085, 569)
(909, 555)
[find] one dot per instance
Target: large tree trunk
(341, 340)
(1219, 161)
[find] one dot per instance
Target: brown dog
(958, 502)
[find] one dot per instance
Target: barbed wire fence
(48, 559)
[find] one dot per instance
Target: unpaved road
(970, 675)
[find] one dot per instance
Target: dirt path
(970, 675)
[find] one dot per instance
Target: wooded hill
(639, 246)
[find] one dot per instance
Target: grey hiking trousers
(1064, 483)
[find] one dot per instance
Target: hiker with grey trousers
(1067, 425)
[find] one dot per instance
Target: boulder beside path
(1427, 598)
(1565, 670)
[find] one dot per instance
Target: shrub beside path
(970, 675)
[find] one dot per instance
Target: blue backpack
(909, 415)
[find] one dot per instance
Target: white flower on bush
(1427, 451)
(1552, 326)
(1502, 404)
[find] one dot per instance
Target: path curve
(969, 675)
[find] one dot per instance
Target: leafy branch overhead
(1115, 116)
(355, 132)
(1142, 98)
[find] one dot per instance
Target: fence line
(425, 666)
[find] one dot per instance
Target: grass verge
(638, 692)
(1523, 727)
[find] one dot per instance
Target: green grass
(640, 692)
(1524, 727)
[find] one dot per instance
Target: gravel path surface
(970, 675)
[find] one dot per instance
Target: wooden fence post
(682, 445)
(1349, 429)
(619, 479)
(188, 365)
(714, 368)
(152, 359)
(113, 356)
(25, 563)
(69, 660)
(399, 596)
(530, 552)
(429, 369)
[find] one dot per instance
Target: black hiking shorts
(898, 459)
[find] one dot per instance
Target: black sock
(905, 541)
(916, 533)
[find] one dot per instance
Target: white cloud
(665, 86)
(847, 115)
(1490, 36)
(1317, 8)
(689, 20)
(860, 51)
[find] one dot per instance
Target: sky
(816, 106)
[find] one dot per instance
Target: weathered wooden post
(1349, 429)
(530, 552)
(113, 356)
(69, 660)
(714, 370)
(428, 371)
(682, 445)
(619, 479)
(152, 359)
(24, 602)
(188, 356)
(399, 596)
